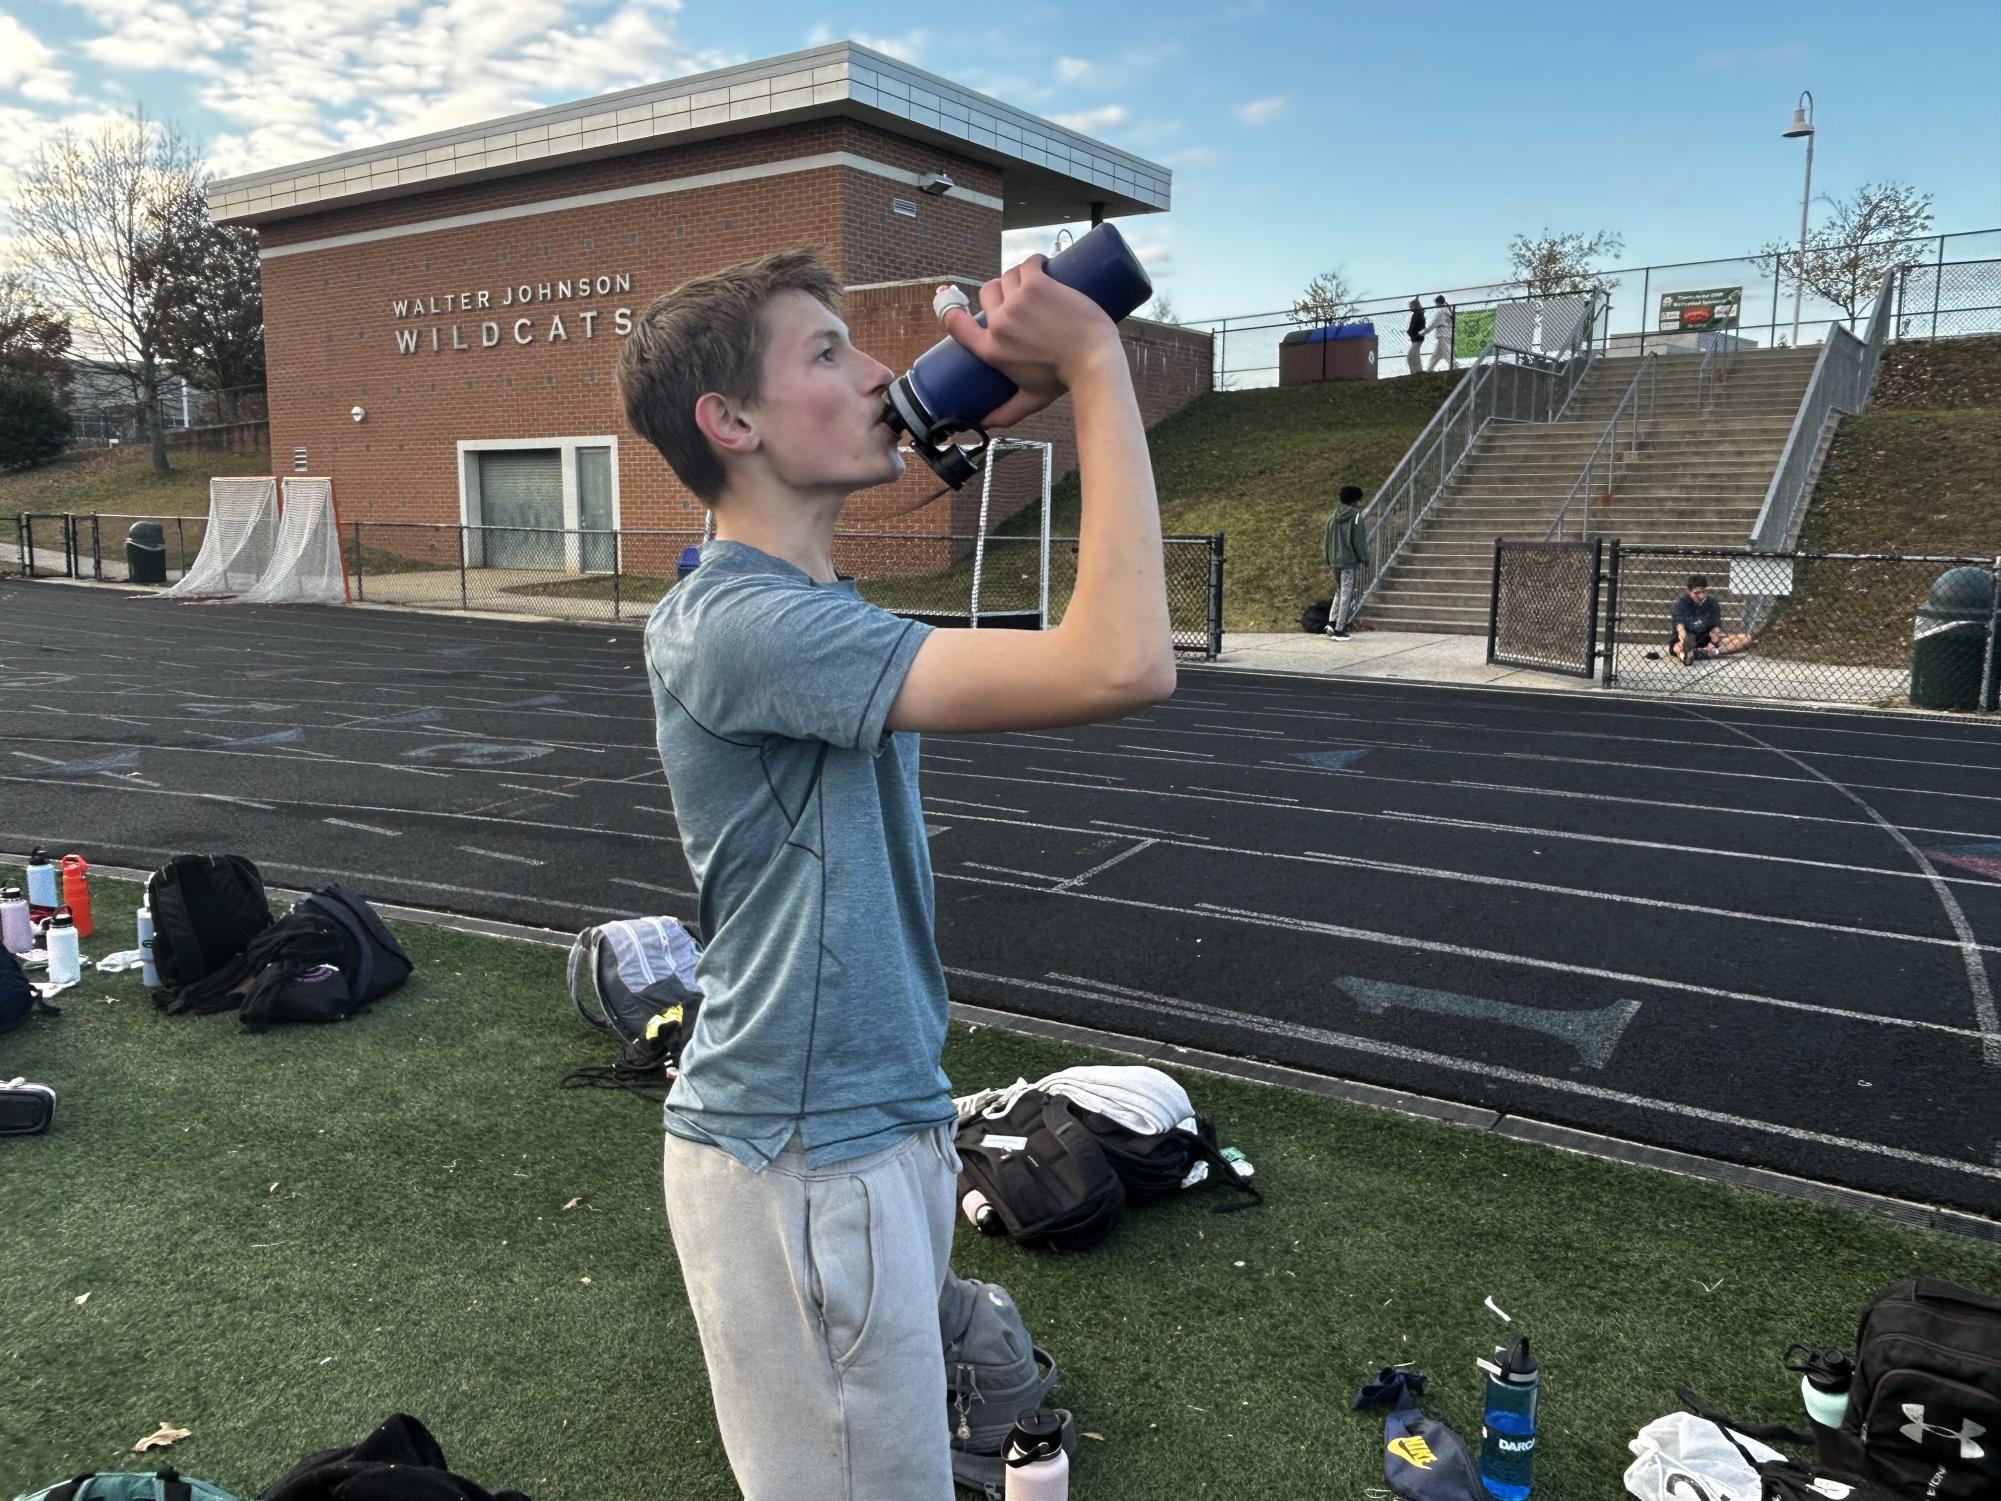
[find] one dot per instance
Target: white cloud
(27, 65)
(1072, 70)
(908, 48)
(1105, 117)
(1193, 156)
(1263, 111)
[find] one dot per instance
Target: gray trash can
(146, 553)
(1949, 641)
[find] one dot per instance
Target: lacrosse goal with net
(268, 541)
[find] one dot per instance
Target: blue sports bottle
(949, 391)
(1507, 1427)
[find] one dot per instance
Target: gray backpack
(993, 1374)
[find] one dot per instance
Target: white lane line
(538, 791)
(1143, 1000)
(1236, 732)
(1140, 828)
(959, 802)
(316, 805)
(1158, 751)
(1059, 771)
(1009, 870)
(366, 828)
(1144, 844)
(31, 756)
(128, 776)
(1489, 956)
(645, 886)
(1705, 850)
(1031, 735)
(473, 849)
(649, 808)
(1971, 951)
(1661, 904)
(931, 755)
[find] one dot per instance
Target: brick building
(443, 315)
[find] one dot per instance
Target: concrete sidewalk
(1402, 656)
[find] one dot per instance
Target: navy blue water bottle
(949, 391)
(1507, 1428)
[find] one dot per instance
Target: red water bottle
(76, 892)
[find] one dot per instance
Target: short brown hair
(1697, 581)
(707, 335)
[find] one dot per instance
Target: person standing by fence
(1441, 324)
(1346, 546)
(1416, 354)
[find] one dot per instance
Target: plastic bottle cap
(62, 920)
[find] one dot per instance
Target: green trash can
(146, 553)
(1949, 642)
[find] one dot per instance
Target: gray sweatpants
(815, 1291)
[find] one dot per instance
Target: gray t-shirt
(823, 1000)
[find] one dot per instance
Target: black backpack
(281, 975)
(1924, 1412)
(206, 909)
(1043, 1172)
(1152, 1165)
(18, 1000)
(1313, 619)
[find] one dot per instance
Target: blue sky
(1403, 144)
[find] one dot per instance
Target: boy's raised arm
(1114, 652)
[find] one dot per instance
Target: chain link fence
(1544, 611)
(1946, 301)
(1666, 307)
(610, 577)
(1859, 628)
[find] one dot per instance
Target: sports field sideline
(1757, 935)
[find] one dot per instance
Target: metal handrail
(1840, 385)
(1503, 384)
(1641, 386)
(1717, 352)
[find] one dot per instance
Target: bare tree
(1863, 240)
(204, 277)
(33, 340)
(1161, 310)
(1563, 265)
(1327, 299)
(89, 213)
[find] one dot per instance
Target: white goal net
(236, 547)
(305, 567)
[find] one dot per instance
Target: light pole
(1802, 126)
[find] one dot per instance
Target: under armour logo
(1966, 1432)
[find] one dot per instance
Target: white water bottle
(15, 932)
(1037, 1467)
(148, 973)
(65, 955)
(1825, 1377)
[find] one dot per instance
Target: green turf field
(275, 1240)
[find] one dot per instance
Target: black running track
(1764, 936)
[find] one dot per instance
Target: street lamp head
(1802, 119)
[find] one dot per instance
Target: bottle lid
(1827, 1370)
(62, 919)
(1518, 1367)
(1037, 1434)
(10, 893)
(38, 856)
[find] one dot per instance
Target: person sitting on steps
(1698, 626)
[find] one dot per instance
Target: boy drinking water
(808, 1163)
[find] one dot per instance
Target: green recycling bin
(146, 554)
(1949, 642)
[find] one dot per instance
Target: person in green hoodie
(1346, 545)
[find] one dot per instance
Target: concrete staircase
(1698, 479)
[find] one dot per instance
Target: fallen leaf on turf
(584, 1280)
(83, 1300)
(274, 1187)
(1098, 1436)
(166, 1435)
(574, 1202)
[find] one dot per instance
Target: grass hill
(1264, 466)
(1920, 471)
(121, 482)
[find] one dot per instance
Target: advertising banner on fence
(1472, 331)
(1695, 312)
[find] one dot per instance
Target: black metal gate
(1544, 611)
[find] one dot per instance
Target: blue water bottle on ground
(1507, 1429)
